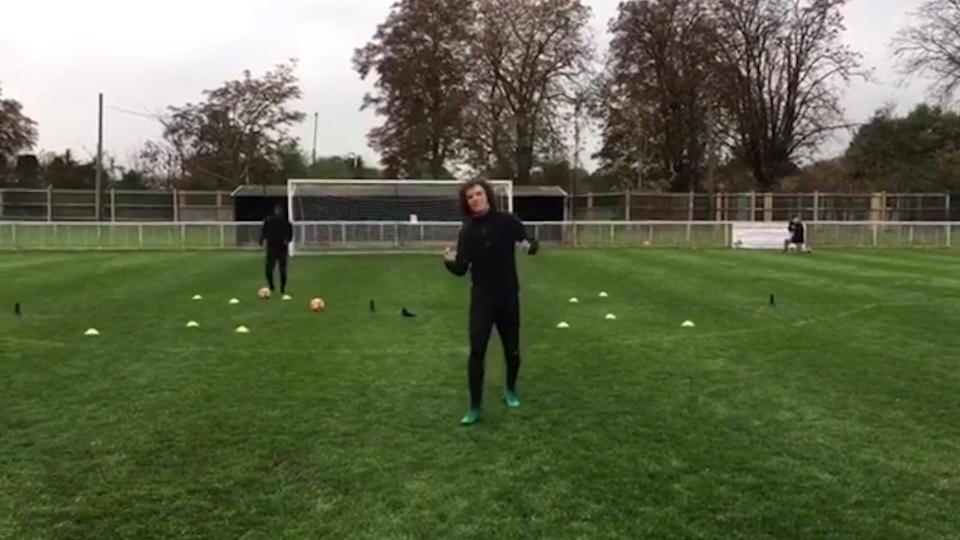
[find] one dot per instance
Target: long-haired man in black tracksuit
(486, 247)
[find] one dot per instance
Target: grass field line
(18, 341)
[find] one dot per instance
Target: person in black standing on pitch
(277, 233)
(486, 247)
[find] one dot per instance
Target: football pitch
(834, 413)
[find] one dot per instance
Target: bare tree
(782, 63)
(488, 140)
(537, 53)
(17, 131)
(420, 58)
(930, 46)
(659, 90)
(161, 165)
(237, 133)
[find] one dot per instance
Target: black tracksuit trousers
(277, 256)
(489, 309)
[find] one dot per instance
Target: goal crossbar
(335, 199)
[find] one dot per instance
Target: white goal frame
(292, 182)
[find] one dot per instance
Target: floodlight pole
(99, 176)
(313, 156)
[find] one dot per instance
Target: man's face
(477, 201)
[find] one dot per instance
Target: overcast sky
(56, 55)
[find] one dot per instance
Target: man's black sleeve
(459, 267)
(288, 233)
(519, 233)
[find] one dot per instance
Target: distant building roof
(384, 190)
(255, 190)
(538, 191)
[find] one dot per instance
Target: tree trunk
(524, 155)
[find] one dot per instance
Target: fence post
(629, 204)
(882, 208)
(875, 234)
(946, 204)
(816, 205)
(113, 205)
(223, 233)
(140, 234)
(50, 203)
(183, 236)
(949, 232)
(13, 234)
(753, 206)
(176, 206)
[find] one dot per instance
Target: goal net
(378, 214)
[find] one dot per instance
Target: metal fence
(191, 206)
(115, 205)
(319, 237)
(770, 207)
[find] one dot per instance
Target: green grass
(833, 415)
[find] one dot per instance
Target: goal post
(378, 214)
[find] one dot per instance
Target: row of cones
(575, 300)
(192, 324)
(610, 316)
(235, 301)
(602, 294)
(563, 325)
